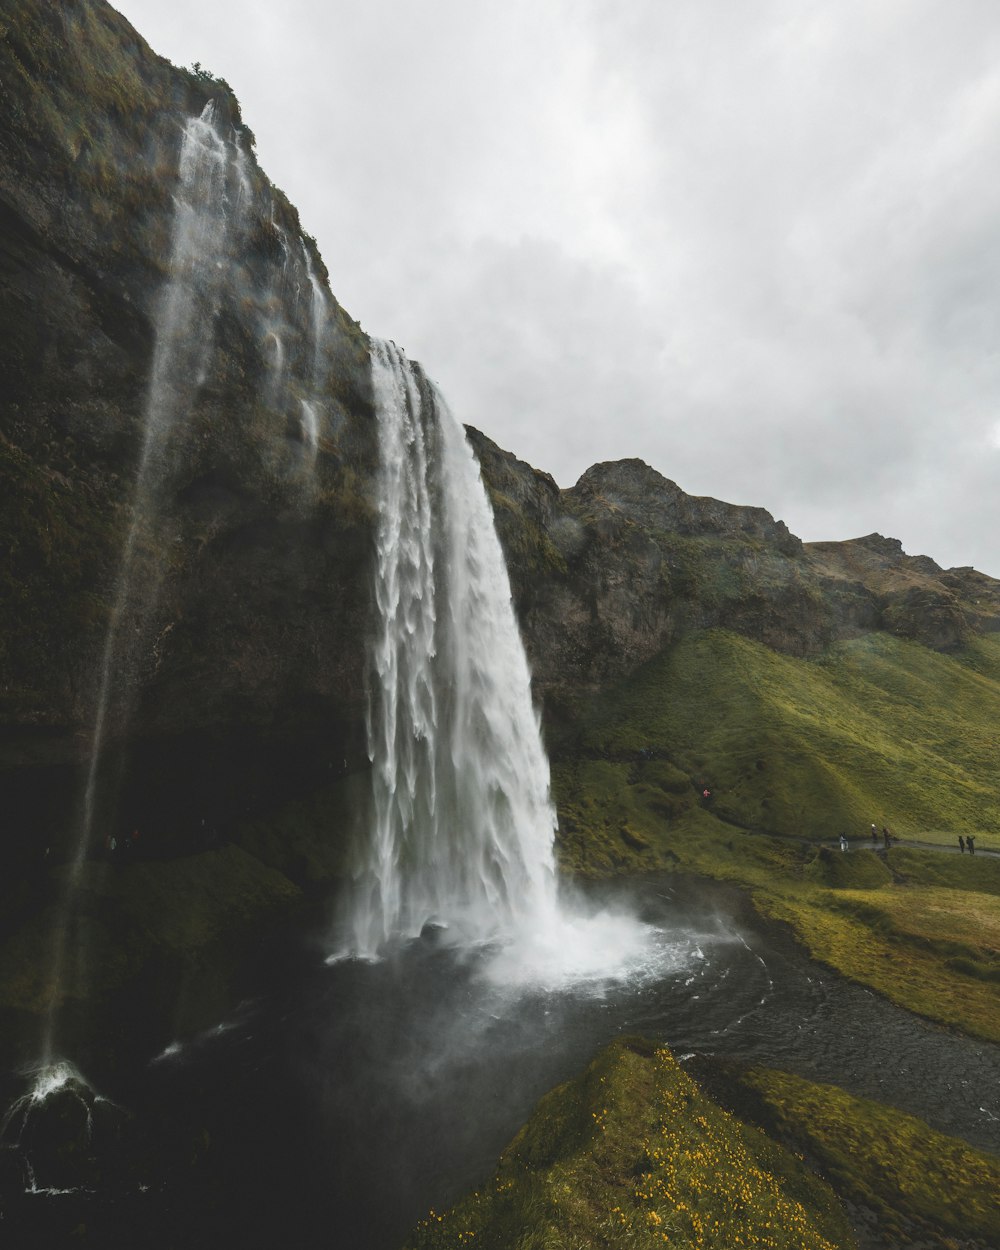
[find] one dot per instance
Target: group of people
(966, 843)
(887, 837)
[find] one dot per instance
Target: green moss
(69, 75)
(632, 1154)
(919, 1182)
(954, 872)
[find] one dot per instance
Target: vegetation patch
(921, 1186)
(633, 1154)
(857, 937)
(879, 729)
(791, 753)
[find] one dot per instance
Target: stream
(349, 1098)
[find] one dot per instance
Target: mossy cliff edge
(678, 643)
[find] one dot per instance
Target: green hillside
(635, 1153)
(632, 1153)
(793, 752)
(879, 729)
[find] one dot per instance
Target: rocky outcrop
(612, 570)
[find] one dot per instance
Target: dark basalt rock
(607, 573)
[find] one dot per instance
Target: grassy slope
(795, 751)
(632, 1154)
(879, 729)
(918, 1183)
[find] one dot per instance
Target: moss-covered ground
(793, 752)
(916, 1185)
(636, 1153)
(633, 1154)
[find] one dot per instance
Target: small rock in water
(433, 931)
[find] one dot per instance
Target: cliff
(238, 665)
(609, 572)
(259, 618)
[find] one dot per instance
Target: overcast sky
(754, 242)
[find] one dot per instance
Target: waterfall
(318, 320)
(183, 342)
(463, 823)
(183, 325)
(311, 407)
(310, 432)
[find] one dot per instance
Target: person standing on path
(961, 844)
(885, 837)
(843, 841)
(971, 842)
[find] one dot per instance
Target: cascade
(310, 431)
(463, 823)
(311, 408)
(183, 322)
(318, 319)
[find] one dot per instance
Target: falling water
(318, 316)
(310, 431)
(311, 407)
(183, 342)
(463, 822)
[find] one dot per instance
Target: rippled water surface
(337, 1108)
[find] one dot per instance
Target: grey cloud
(753, 244)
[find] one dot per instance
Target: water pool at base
(350, 1097)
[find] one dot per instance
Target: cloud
(753, 244)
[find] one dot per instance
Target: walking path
(862, 843)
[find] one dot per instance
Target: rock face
(260, 612)
(612, 570)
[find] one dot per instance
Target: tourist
(874, 835)
(961, 844)
(843, 841)
(885, 837)
(971, 841)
